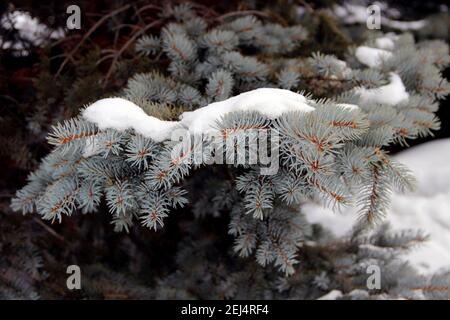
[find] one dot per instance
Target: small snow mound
(405, 25)
(269, 101)
(385, 43)
(390, 94)
(371, 57)
(332, 295)
(121, 114)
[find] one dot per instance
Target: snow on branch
(121, 114)
(390, 94)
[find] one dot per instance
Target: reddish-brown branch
(69, 57)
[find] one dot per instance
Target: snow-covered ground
(427, 208)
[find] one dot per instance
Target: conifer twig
(87, 34)
(127, 45)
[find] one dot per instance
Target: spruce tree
(334, 116)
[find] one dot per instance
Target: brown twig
(243, 12)
(248, 12)
(64, 39)
(49, 230)
(147, 7)
(91, 30)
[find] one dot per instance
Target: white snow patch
(385, 43)
(269, 101)
(121, 114)
(351, 13)
(332, 295)
(29, 28)
(345, 70)
(404, 25)
(390, 94)
(427, 208)
(371, 57)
